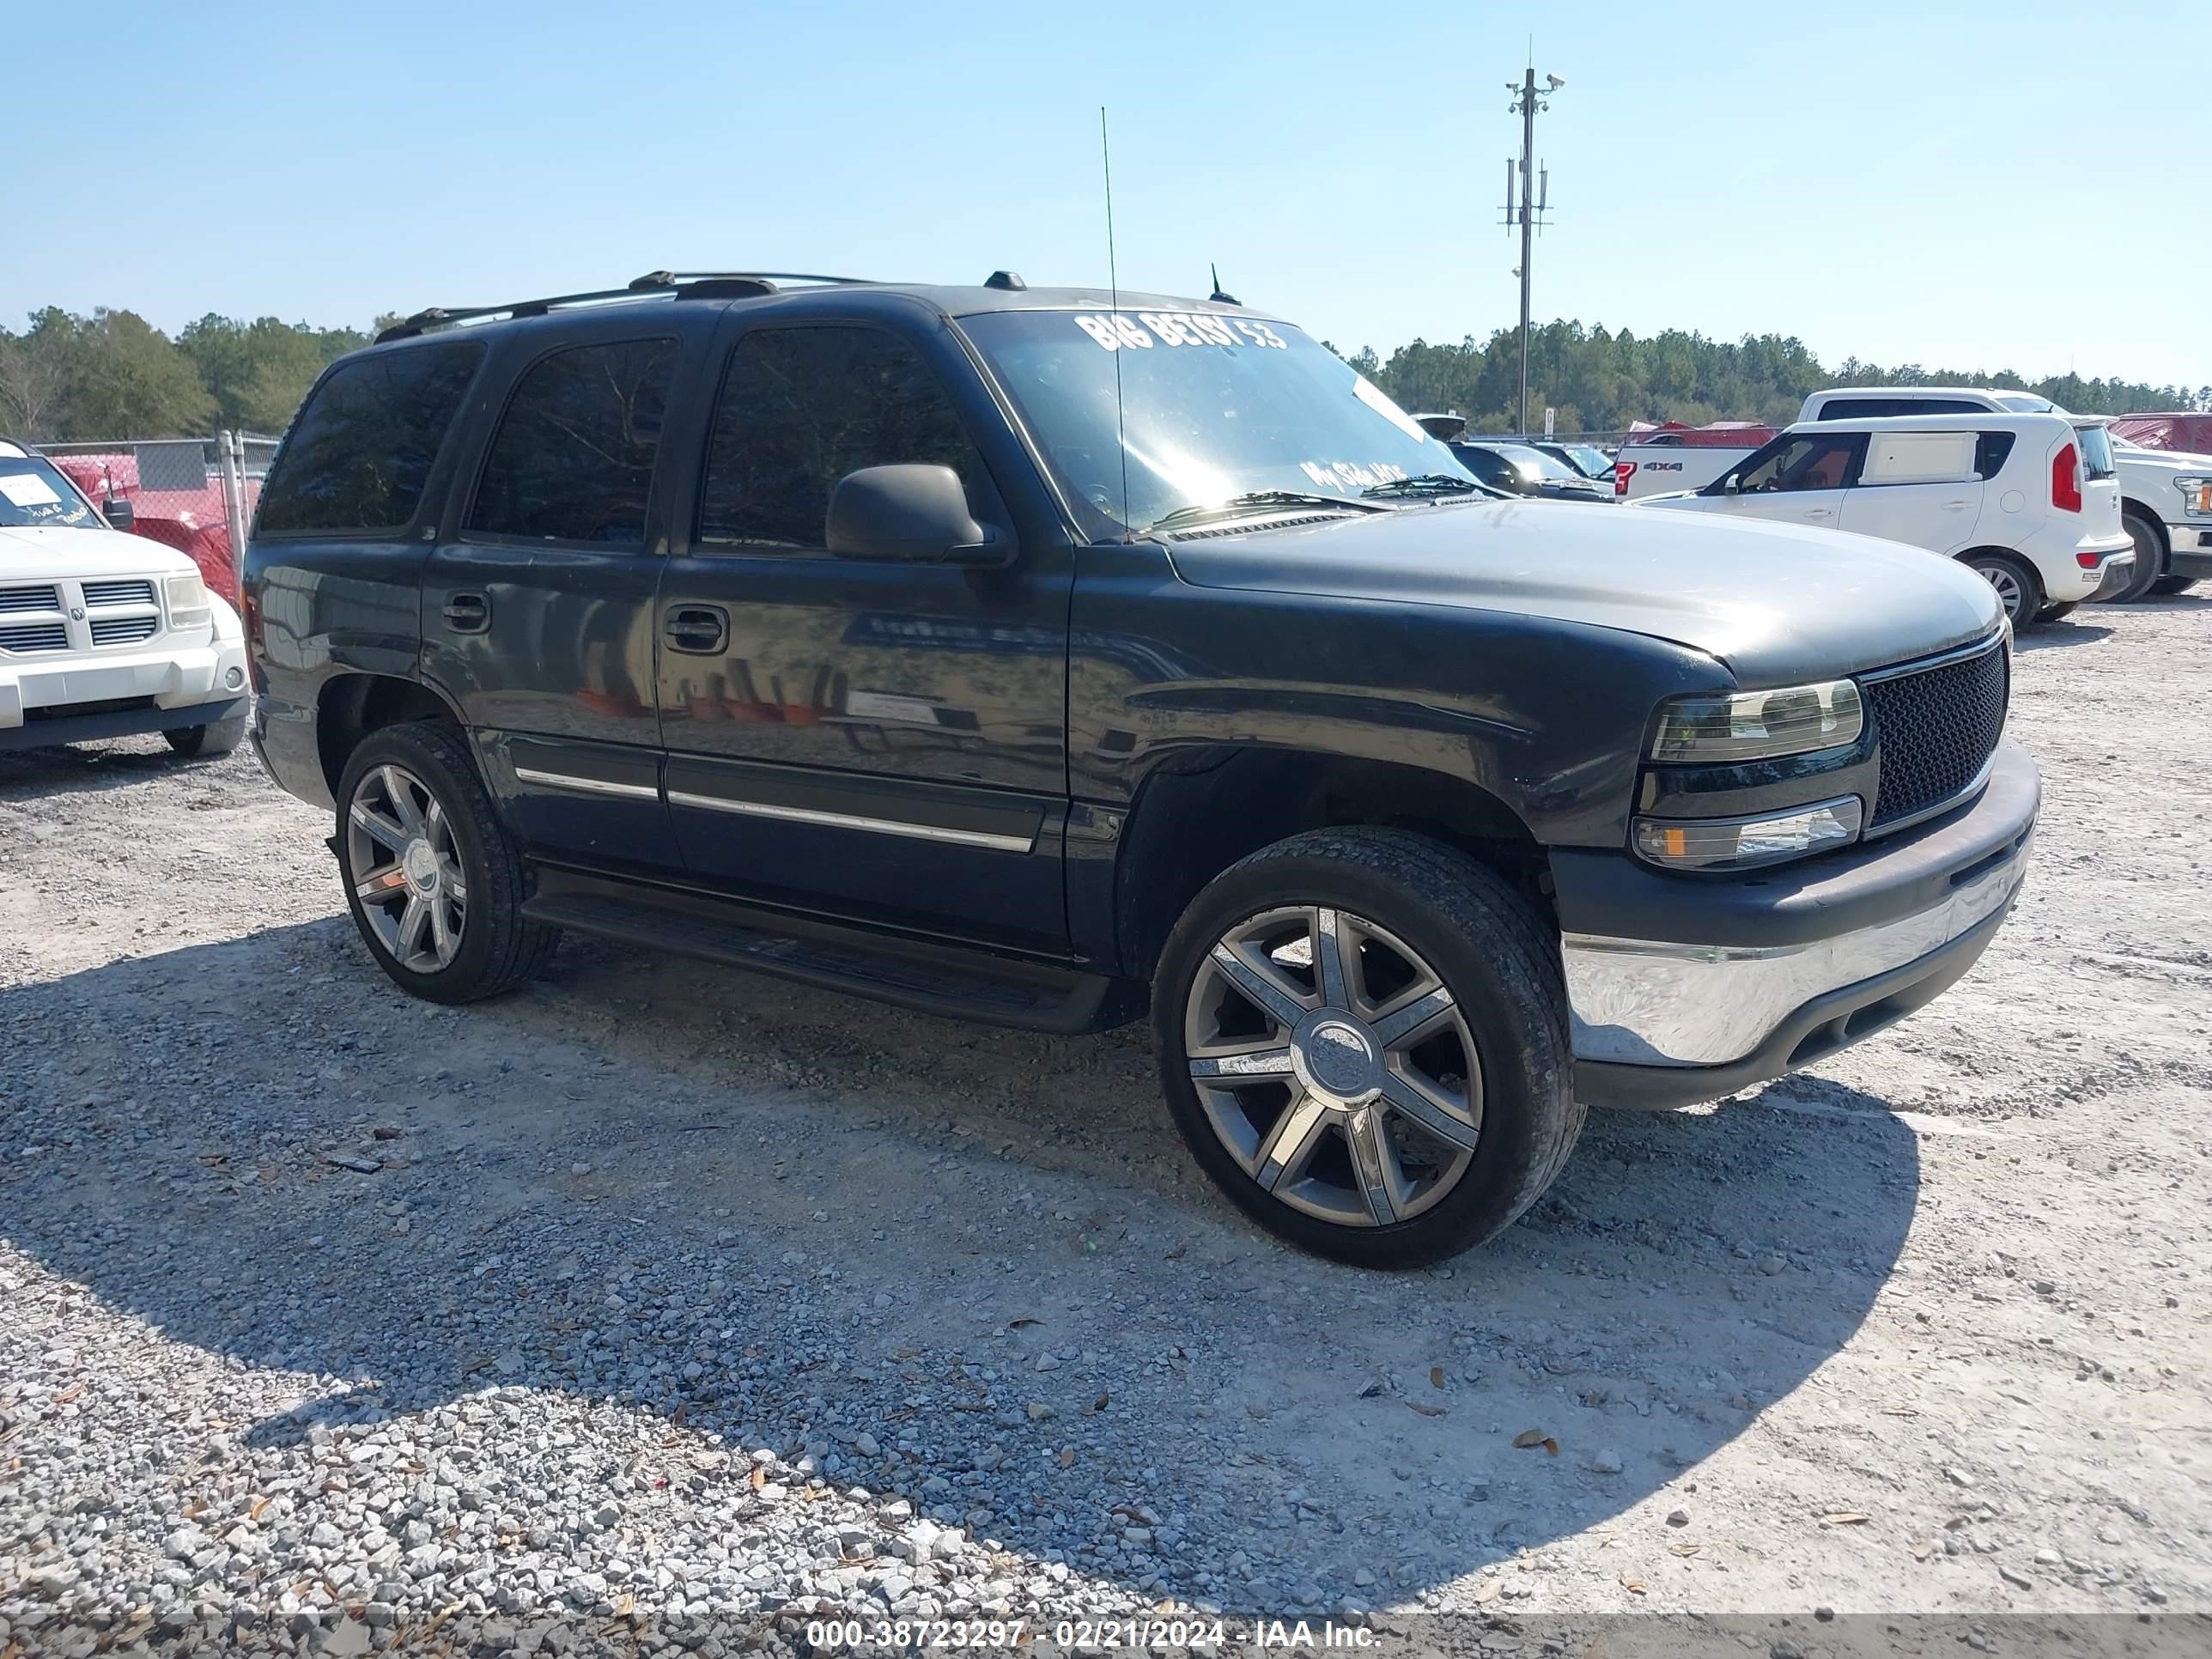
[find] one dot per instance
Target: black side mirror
(119, 513)
(908, 512)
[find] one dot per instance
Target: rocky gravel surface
(664, 1302)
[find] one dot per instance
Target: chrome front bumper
(1685, 988)
(1647, 1002)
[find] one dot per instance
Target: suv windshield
(1533, 463)
(1211, 408)
(2027, 403)
(33, 495)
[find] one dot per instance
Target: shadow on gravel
(2046, 636)
(27, 774)
(812, 1223)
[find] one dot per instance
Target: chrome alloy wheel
(406, 870)
(1333, 1064)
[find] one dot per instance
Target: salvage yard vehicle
(1520, 469)
(2026, 500)
(104, 635)
(1027, 656)
(2166, 501)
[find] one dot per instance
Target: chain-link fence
(195, 494)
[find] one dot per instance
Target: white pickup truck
(104, 635)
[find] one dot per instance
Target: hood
(39, 552)
(1778, 603)
(2179, 463)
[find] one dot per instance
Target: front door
(538, 609)
(1799, 479)
(885, 740)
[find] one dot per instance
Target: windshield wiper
(1261, 498)
(1429, 484)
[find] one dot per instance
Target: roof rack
(673, 284)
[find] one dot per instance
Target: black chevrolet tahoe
(1043, 656)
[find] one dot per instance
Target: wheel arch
(351, 705)
(1193, 819)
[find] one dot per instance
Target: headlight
(1744, 725)
(187, 599)
(2195, 494)
(1744, 843)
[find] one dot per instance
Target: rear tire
(2052, 612)
(206, 741)
(1433, 981)
(434, 883)
(2019, 589)
(2150, 554)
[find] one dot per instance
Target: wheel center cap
(421, 865)
(1333, 1055)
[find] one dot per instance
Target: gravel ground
(682, 1299)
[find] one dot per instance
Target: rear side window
(802, 407)
(361, 450)
(572, 460)
(2096, 451)
(1991, 451)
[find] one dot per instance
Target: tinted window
(1860, 409)
(1884, 408)
(1991, 450)
(1491, 468)
(572, 460)
(802, 407)
(360, 452)
(2096, 451)
(1805, 463)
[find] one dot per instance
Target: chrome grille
(22, 598)
(125, 593)
(1937, 728)
(123, 630)
(34, 636)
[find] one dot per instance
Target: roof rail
(680, 285)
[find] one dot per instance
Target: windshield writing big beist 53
(1212, 407)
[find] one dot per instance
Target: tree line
(1597, 381)
(112, 375)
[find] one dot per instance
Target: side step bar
(927, 978)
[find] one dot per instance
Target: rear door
(538, 600)
(1799, 478)
(1922, 487)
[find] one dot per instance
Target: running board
(926, 978)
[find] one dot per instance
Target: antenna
(1114, 287)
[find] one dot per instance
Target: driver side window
(800, 408)
(1812, 462)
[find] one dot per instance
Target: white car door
(1799, 478)
(1921, 488)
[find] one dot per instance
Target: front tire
(1362, 1039)
(206, 741)
(434, 884)
(2019, 590)
(2175, 584)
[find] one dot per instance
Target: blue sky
(1945, 183)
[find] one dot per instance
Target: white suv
(2165, 498)
(103, 635)
(2029, 501)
